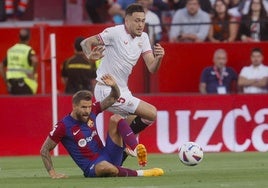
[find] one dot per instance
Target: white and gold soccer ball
(191, 154)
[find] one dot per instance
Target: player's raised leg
(145, 116)
(129, 138)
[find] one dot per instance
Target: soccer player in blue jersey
(78, 133)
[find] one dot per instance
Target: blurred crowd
(174, 20)
(193, 20)
(184, 21)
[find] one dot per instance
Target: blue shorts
(111, 153)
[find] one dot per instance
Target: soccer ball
(190, 154)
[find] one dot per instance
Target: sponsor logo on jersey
(83, 141)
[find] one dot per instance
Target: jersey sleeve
(96, 109)
(107, 35)
(146, 47)
(58, 132)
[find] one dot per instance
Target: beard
(82, 117)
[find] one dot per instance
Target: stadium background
(182, 113)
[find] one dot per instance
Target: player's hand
(108, 80)
(96, 53)
(55, 175)
(159, 51)
(59, 176)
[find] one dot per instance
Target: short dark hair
(77, 42)
(81, 95)
(24, 34)
(135, 7)
(257, 49)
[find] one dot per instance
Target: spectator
(218, 78)
(160, 6)
(2, 11)
(152, 21)
(229, 3)
(15, 9)
(117, 10)
(204, 4)
(222, 28)
(254, 78)
(232, 3)
(97, 10)
(234, 8)
(77, 72)
(193, 24)
(244, 6)
(19, 68)
(254, 25)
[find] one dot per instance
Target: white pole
(54, 84)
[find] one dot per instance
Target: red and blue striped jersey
(80, 139)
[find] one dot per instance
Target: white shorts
(126, 104)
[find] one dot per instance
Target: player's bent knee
(153, 114)
(148, 112)
(115, 118)
(105, 169)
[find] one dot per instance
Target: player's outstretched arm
(46, 158)
(114, 94)
(153, 60)
(93, 48)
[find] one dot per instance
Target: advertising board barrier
(219, 123)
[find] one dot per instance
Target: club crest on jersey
(125, 42)
(90, 123)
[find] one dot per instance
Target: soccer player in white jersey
(119, 48)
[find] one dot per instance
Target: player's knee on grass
(105, 169)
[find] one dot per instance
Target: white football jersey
(121, 54)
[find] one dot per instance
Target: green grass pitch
(234, 170)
